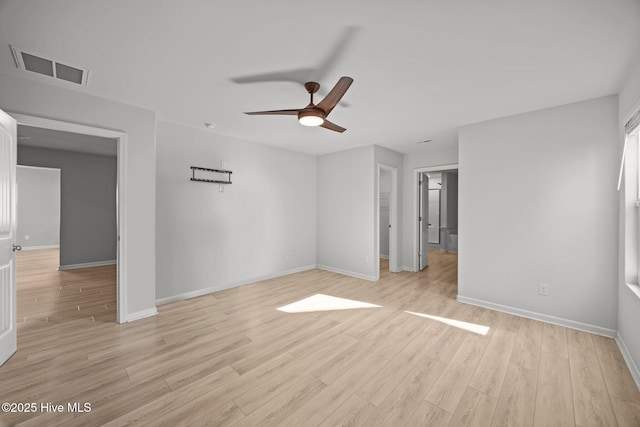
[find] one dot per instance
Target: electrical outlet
(223, 164)
(543, 289)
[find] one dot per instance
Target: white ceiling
(59, 140)
(422, 68)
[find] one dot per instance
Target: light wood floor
(232, 358)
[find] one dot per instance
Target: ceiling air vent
(39, 64)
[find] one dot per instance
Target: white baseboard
(35, 248)
(585, 327)
(631, 364)
(384, 256)
(131, 317)
(348, 273)
(408, 268)
(87, 265)
(200, 292)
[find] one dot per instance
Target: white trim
(36, 248)
(408, 268)
(626, 355)
(39, 168)
(87, 265)
(349, 273)
(414, 217)
(206, 291)
(384, 256)
(572, 324)
(142, 314)
(121, 137)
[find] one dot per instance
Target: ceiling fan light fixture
(310, 118)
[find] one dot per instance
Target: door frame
(393, 220)
(121, 190)
(416, 208)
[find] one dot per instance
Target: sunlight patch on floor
(471, 327)
(321, 302)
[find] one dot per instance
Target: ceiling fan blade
(334, 96)
(302, 75)
(297, 76)
(275, 112)
(332, 126)
(328, 63)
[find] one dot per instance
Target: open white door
(423, 220)
(7, 234)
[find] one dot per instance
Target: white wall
(628, 302)
(263, 224)
(431, 155)
(346, 207)
(538, 204)
(30, 97)
(38, 207)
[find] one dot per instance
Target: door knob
(16, 247)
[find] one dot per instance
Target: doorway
(120, 140)
(387, 219)
(435, 212)
(80, 224)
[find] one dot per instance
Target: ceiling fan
(316, 115)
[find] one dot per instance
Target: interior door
(7, 234)
(423, 220)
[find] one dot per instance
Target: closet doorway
(387, 218)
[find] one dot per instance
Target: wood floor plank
(516, 404)
(317, 410)
(591, 401)
(354, 412)
(554, 340)
(491, 371)
(277, 408)
(526, 352)
(554, 402)
(627, 413)
(452, 384)
(398, 407)
(381, 383)
(616, 375)
(475, 410)
(428, 414)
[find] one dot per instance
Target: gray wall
(451, 218)
(263, 224)
(538, 205)
(38, 207)
(88, 202)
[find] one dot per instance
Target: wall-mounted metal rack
(227, 179)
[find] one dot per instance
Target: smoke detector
(49, 68)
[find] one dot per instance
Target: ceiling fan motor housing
(311, 116)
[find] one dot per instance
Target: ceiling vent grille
(50, 68)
